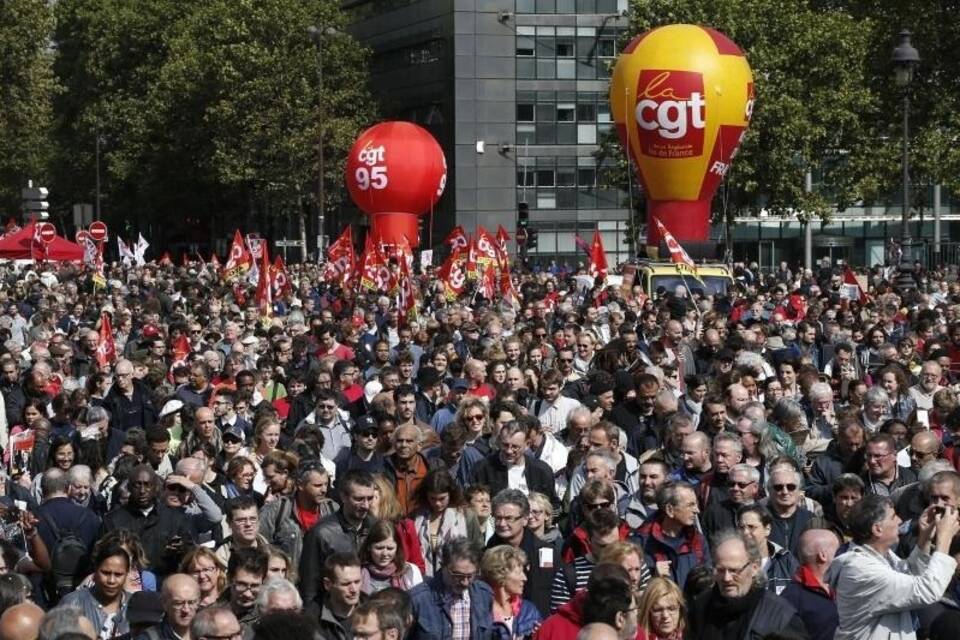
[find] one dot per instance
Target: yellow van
(712, 279)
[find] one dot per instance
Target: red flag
(487, 252)
(240, 260)
(851, 289)
(264, 295)
(165, 259)
(677, 253)
(488, 285)
(375, 273)
(502, 238)
(472, 270)
(280, 278)
(507, 292)
(181, 351)
(598, 257)
(107, 349)
(453, 275)
(457, 239)
(406, 294)
(38, 248)
(341, 259)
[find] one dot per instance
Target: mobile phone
(939, 511)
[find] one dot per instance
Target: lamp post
(905, 60)
(317, 36)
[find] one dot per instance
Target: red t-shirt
(306, 518)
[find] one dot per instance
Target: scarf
(728, 618)
(393, 574)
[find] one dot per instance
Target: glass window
(587, 134)
(566, 6)
(606, 47)
(546, 46)
(587, 178)
(566, 176)
(586, 112)
(525, 113)
(526, 134)
(546, 199)
(545, 177)
(567, 133)
(526, 68)
(566, 113)
(546, 133)
(546, 69)
(603, 112)
(546, 113)
(546, 6)
(524, 46)
(566, 69)
(565, 47)
(526, 6)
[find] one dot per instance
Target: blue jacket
(780, 569)
(524, 623)
(431, 614)
(815, 607)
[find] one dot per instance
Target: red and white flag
(488, 284)
(453, 275)
(851, 288)
(677, 253)
(375, 272)
(406, 295)
(107, 349)
(215, 261)
(264, 294)
(598, 256)
(341, 259)
(165, 260)
(456, 239)
(487, 251)
(240, 260)
(280, 278)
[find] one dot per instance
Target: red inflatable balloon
(396, 171)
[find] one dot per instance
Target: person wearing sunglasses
(787, 506)
(743, 484)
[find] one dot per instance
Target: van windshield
(715, 285)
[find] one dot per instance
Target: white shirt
(516, 479)
(553, 416)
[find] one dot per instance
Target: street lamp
(317, 36)
(905, 60)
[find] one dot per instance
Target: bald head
(21, 622)
(817, 547)
(925, 441)
(180, 586)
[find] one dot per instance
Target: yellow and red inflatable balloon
(681, 98)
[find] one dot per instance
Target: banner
(677, 253)
(456, 239)
(140, 250)
(453, 275)
(264, 294)
(240, 261)
(341, 259)
(107, 349)
(280, 278)
(598, 256)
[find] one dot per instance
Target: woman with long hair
(661, 611)
(383, 561)
(209, 572)
(277, 474)
(894, 381)
(240, 474)
(266, 437)
(437, 516)
(387, 507)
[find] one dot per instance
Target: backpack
(284, 540)
(69, 560)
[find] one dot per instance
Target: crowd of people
(773, 461)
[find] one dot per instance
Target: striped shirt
(581, 569)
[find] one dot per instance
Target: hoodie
(565, 624)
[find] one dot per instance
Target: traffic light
(531, 238)
(35, 200)
(523, 215)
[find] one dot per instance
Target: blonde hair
(186, 565)
(616, 552)
(389, 507)
(657, 589)
(500, 561)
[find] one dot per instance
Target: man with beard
(643, 503)
(928, 385)
(635, 415)
(738, 606)
(830, 465)
(344, 530)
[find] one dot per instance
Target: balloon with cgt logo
(395, 172)
(681, 97)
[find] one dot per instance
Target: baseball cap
(459, 384)
(171, 406)
(234, 431)
(365, 424)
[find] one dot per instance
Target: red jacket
(578, 542)
(566, 622)
(411, 543)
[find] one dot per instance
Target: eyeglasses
(784, 487)
(507, 518)
(742, 485)
(204, 571)
(185, 604)
(720, 572)
(240, 587)
(478, 417)
(226, 636)
(565, 360)
(367, 434)
(593, 506)
(463, 577)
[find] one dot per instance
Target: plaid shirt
(460, 616)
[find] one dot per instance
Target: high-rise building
(515, 91)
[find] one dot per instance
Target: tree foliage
(205, 109)
(27, 87)
(825, 98)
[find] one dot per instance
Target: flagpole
(626, 124)
(683, 278)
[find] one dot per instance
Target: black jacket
(155, 531)
(126, 413)
(538, 475)
(330, 535)
(771, 614)
(539, 577)
(826, 468)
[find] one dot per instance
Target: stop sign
(520, 236)
(47, 232)
(81, 236)
(98, 231)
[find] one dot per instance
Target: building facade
(515, 91)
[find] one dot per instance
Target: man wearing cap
(226, 415)
(362, 454)
(172, 408)
(128, 401)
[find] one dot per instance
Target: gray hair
(750, 471)
(875, 395)
(54, 481)
(276, 585)
(753, 551)
(205, 622)
(189, 465)
(579, 412)
(668, 494)
(79, 473)
(604, 455)
(783, 466)
(788, 410)
(731, 438)
(97, 413)
(460, 549)
(820, 390)
(59, 620)
(514, 497)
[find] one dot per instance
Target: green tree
(27, 87)
(209, 111)
(813, 101)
